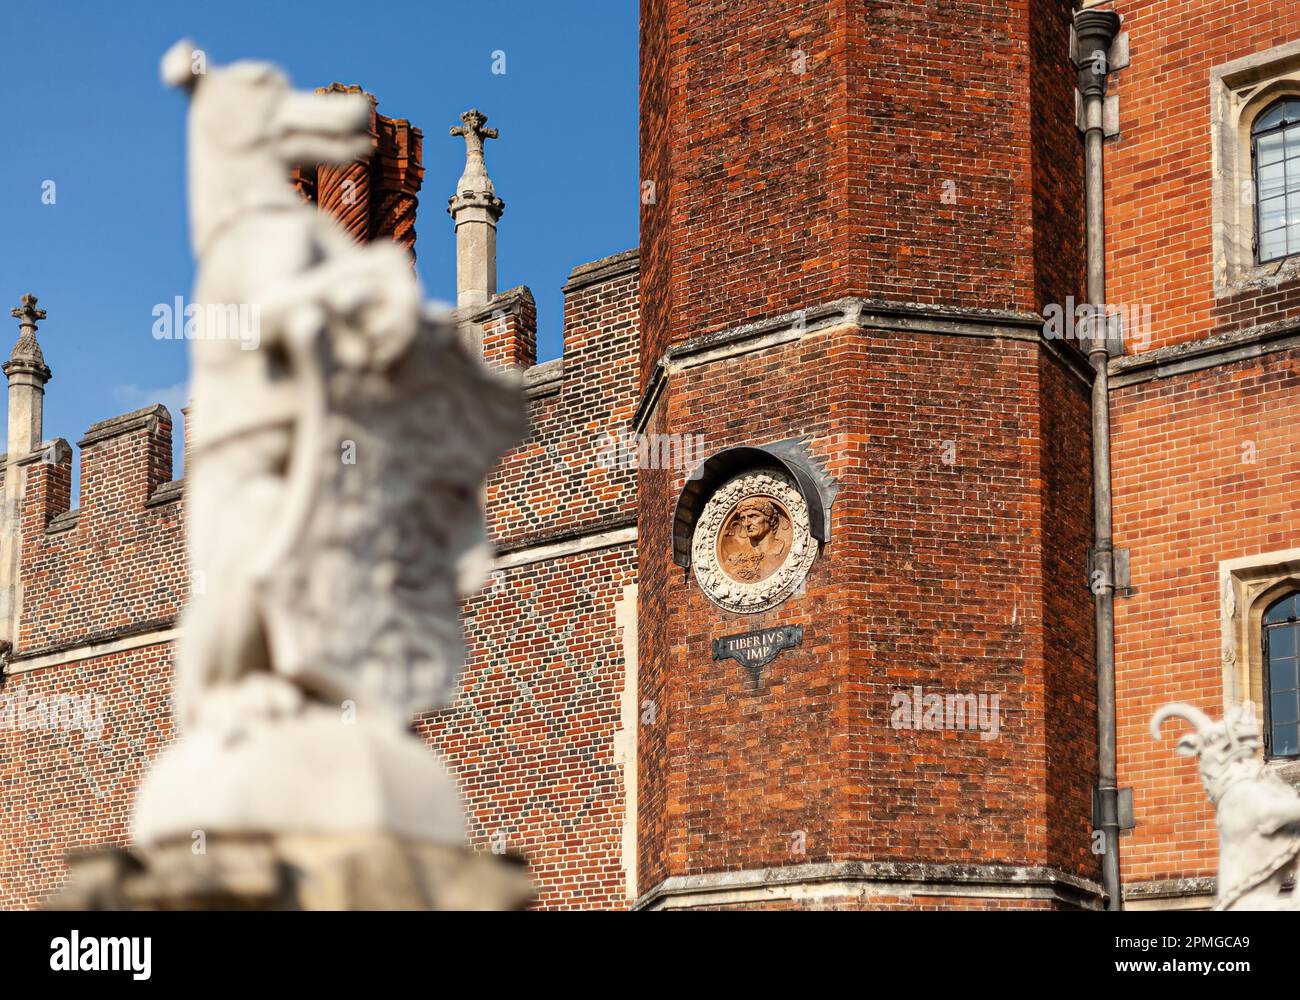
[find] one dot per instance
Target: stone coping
(145, 418)
(606, 269)
(508, 301)
(873, 315)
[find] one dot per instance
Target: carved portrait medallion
(752, 544)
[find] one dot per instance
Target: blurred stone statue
(1258, 813)
(334, 517)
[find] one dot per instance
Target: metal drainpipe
(1094, 31)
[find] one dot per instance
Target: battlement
(100, 584)
(116, 561)
(558, 482)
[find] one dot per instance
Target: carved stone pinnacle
(27, 352)
(471, 127)
(474, 190)
(27, 313)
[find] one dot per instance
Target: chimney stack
(374, 198)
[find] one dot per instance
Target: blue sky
(83, 107)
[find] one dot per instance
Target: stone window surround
(1239, 92)
(1247, 587)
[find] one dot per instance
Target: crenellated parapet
(101, 576)
(509, 328)
(572, 475)
(115, 563)
(115, 560)
(124, 460)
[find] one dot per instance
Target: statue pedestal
(355, 871)
(272, 802)
(255, 768)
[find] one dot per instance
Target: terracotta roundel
(752, 545)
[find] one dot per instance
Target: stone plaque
(752, 545)
(755, 650)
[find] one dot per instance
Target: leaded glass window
(1281, 626)
(1275, 144)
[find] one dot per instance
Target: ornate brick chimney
(375, 198)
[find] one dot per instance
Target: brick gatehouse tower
(941, 428)
(860, 213)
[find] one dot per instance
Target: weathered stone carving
(334, 521)
(752, 545)
(1258, 814)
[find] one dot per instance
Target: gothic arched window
(1281, 628)
(1275, 149)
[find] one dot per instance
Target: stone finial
(28, 350)
(475, 178)
(27, 312)
(475, 208)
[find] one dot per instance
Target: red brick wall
(1184, 498)
(1159, 171)
(932, 96)
(64, 788)
(1185, 501)
(1069, 684)
(910, 160)
(935, 575)
(530, 739)
(658, 197)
